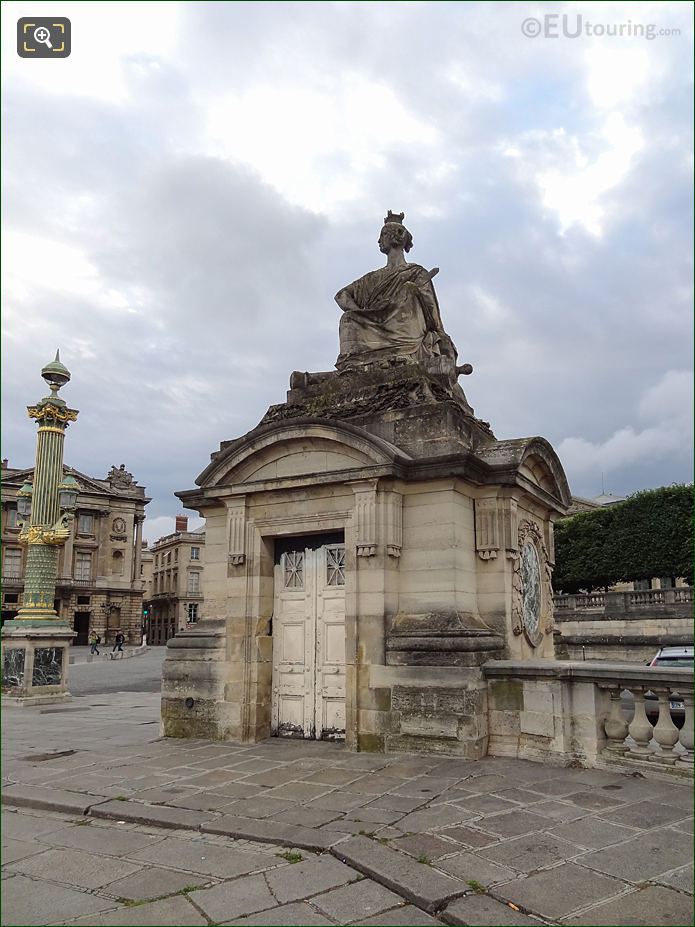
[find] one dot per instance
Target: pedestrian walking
(94, 641)
(118, 643)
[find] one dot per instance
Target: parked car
(665, 657)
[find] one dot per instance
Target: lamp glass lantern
(24, 500)
(67, 493)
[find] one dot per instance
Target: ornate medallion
(532, 590)
(531, 597)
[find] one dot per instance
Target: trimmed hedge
(650, 534)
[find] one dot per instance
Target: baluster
(615, 724)
(640, 727)
(665, 731)
(686, 732)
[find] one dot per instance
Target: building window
(169, 557)
(176, 554)
(195, 553)
(335, 566)
(12, 516)
(192, 611)
(117, 558)
(11, 598)
(83, 600)
(85, 524)
(83, 566)
(13, 563)
(194, 583)
(667, 582)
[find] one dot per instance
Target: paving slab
(437, 817)
(306, 838)
(339, 801)
(645, 814)
(356, 901)
(470, 837)
(14, 850)
(393, 802)
(643, 857)
(287, 914)
(592, 833)
(306, 817)
(414, 881)
(46, 799)
(653, 906)
(30, 902)
(485, 803)
(158, 815)
(427, 845)
(74, 867)
(332, 776)
(231, 900)
(471, 867)
(154, 882)
(514, 823)
(406, 916)
(681, 879)
(595, 801)
(169, 912)
(296, 791)
(374, 815)
(483, 911)
(301, 880)
(203, 857)
(22, 825)
(558, 892)
(92, 837)
(534, 851)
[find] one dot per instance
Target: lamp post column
(34, 644)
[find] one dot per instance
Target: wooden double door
(308, 698)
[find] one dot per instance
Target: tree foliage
(650, 534)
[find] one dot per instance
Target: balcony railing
(624, 601)
(13, 580)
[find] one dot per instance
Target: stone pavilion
(370, 544)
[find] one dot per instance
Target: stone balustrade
(623, 626)
(623, 601)
(596, 713)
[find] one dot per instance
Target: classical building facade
(99, 583)
(370, 544)
(177, 582)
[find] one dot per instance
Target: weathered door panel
(309, 644)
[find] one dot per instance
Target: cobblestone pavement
(144, 831)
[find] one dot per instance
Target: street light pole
(35, 642)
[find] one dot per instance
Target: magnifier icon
(43, 36)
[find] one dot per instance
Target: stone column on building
(137, 559)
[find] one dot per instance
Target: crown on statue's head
(395, 217)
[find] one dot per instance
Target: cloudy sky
(186, 192)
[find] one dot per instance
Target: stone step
(417, 882)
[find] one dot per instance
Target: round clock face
(531, 586)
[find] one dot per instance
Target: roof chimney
(5, 463)
(182, 523)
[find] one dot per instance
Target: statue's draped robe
(393, 317)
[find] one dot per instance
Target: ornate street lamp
(34, 642)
